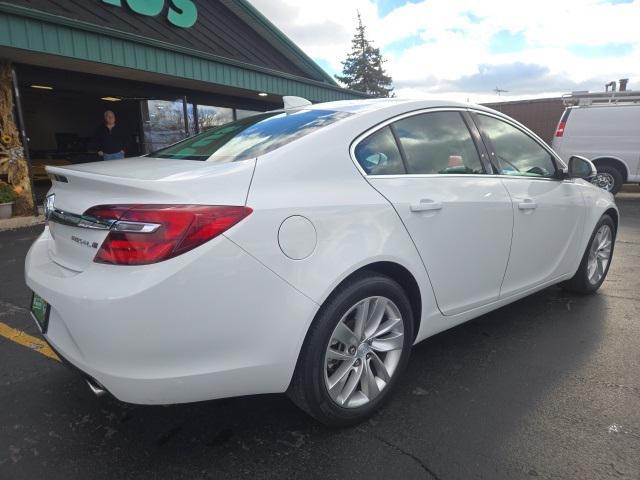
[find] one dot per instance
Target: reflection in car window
(250, 137)
(517, 153)
(378, 154)
(438, 142)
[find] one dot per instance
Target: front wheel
(354, 352)
(596, 260)
(608, 178)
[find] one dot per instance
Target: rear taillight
(563, 122)
(144, 234)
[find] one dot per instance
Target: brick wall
(539, 115)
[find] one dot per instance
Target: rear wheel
(596, 260)
(355, 351)
(609, 178)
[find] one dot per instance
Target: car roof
(381, 107)
(375, 104)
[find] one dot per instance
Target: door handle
(527, 204)
(425, 205)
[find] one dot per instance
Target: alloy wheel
(599, 254)
(604, 180)
(364, 352)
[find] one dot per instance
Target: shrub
(7, 194)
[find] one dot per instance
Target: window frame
(560, 167)
(398, 145)
(473, 130)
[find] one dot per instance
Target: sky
(464, 49)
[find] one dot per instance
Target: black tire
(616, 174)
(308, 389)
(580, 283)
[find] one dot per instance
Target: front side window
(378, 154)
(250, 137)
(438, 143)
(516, 153)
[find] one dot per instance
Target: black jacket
(110, 141)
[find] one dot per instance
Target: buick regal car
(306, 250)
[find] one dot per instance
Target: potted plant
(7, 199)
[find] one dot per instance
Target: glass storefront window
(192, 119)
(209, 116)
(163, 123)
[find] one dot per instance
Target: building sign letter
(181, 13)
(150, 8)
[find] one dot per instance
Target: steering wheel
(502, 159)
(538, 171)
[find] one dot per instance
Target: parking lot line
(26, 340)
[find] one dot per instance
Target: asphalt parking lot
(547, 387)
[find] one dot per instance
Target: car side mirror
(580, 167)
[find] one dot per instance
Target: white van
(608, 134)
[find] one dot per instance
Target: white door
(460, 219)
(548, 212)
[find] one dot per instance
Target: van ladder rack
(586, 99)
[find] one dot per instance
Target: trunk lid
(76, 239)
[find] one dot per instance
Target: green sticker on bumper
(39, 310)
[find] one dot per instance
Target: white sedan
(306, 250)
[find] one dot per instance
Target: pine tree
(362, 70)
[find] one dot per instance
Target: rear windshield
(250, 137)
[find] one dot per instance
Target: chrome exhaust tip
(97, 389)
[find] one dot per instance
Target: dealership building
(167, 68)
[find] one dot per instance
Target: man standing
(110, 138)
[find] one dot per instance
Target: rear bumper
(211, 323)
(93, 384)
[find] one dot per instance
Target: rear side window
(438, 143)
(250, 137)
(515, 151)
(378, 154)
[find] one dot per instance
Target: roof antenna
(292, 103)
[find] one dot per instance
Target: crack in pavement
(6, 308)
(406, 453)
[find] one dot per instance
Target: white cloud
(451, 54)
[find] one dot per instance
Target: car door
(460, 219)
(548, 210)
